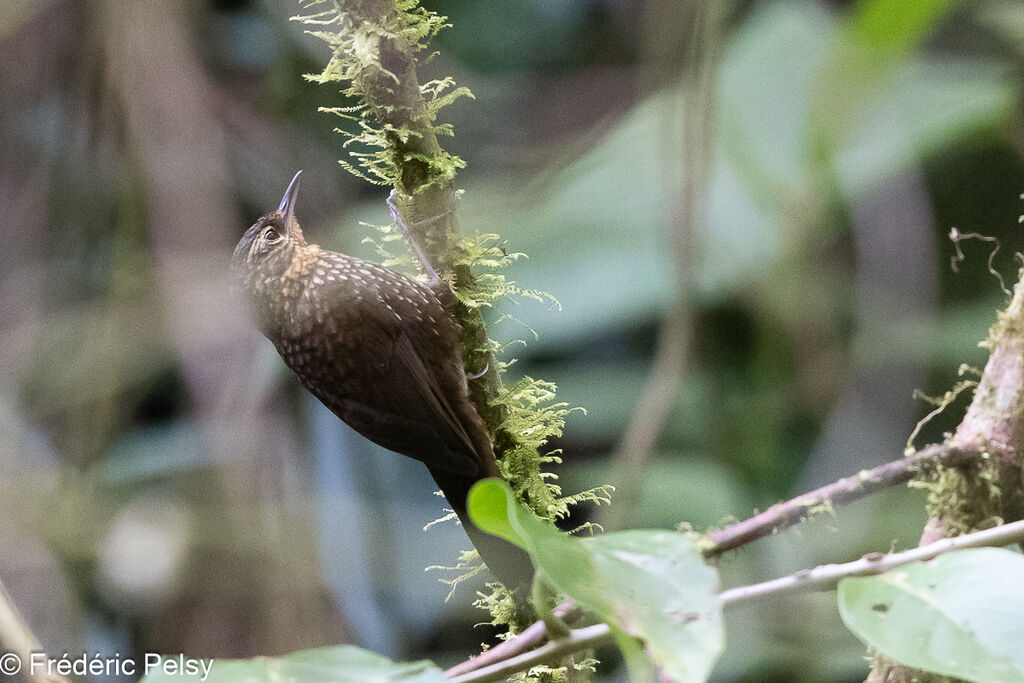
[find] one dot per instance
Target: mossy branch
(375, 47)
(938, 457)
(393, 140)
(988, 490)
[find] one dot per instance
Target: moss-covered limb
(994, 417)
(993, 426)
(376, 44)
(393, 140)
(989, 490)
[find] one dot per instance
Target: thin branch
(821, 578)
(578, 640)
(524, 641)
(775, 518)
(650, 413)
(18, 640)
(783, 515)
(826, 576)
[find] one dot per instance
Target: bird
(379, 349)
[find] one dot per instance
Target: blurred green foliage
(144, 425)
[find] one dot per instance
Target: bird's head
(268, 246)
(263, 261)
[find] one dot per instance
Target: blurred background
(743, 207)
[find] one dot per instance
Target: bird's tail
(509, 563)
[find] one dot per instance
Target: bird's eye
(271, 235)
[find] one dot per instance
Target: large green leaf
(341, 664)
(961, 614)
(650, 584)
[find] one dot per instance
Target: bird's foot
(396, 215)
(479, 374)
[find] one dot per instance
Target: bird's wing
(398, 378)
(407, 411)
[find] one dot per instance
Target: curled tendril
(940, 405)
(956, 237)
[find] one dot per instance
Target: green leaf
(961, 614)
(340, 664)
(896, 25)
(649, 584)
(493, 511)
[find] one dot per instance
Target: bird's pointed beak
(287, 206)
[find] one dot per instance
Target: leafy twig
(821, 578)
(776, 518)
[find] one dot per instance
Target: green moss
(966, 498)
(374, 48)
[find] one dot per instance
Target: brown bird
(381, 351)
